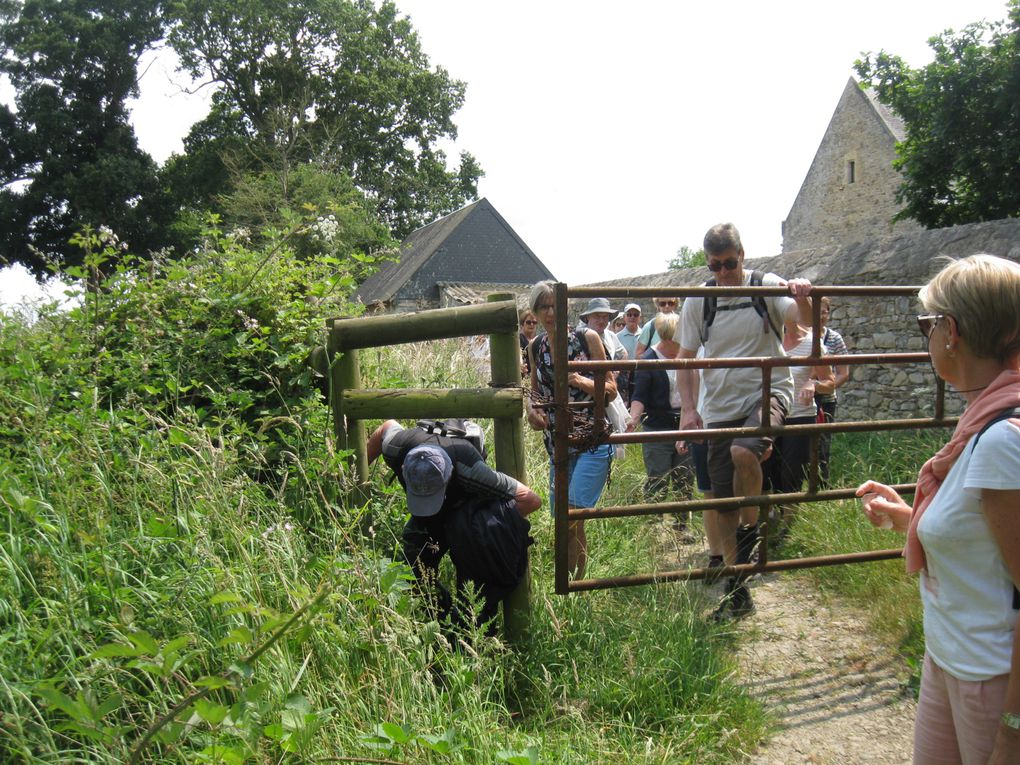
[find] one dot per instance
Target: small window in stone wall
(851, 171)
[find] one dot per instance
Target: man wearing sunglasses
(649, 336)
(733, 396)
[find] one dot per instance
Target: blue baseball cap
(427, 470)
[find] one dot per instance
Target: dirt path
(835, 692)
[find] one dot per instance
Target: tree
(961, 156)
(338, 83)
(686, 258)
(69, 156)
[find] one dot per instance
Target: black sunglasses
(664, 303)
(927, 323)
(718, 265)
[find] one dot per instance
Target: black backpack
(489, 542)
(457, 427)
(710, 308)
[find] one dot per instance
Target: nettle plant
(221, 335)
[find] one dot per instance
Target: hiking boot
(736, 603)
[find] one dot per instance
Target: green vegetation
(883, 588)
(320, 103)
(182, 581)
(958, 158)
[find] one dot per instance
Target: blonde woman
(963, 531)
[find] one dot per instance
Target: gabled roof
(422, 244)
(893, 122)
(414, 251)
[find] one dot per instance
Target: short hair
(721, 238)
(538, 292)
(665, 325)
(523, 315)
(982, 292)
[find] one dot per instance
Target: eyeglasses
(544, 307)
(661, 304)
(633, 314)
(531, 322)
(927, 323)
(718, 265)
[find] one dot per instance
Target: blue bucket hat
(426, 470)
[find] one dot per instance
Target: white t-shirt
(801, 376)
(733, 393)
(967, 591)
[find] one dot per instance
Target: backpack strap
(1005, 414)
(710, 308)
(758, 301)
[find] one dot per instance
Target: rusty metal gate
(562, 432)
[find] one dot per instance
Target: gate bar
(633, 580)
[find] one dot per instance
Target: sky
(612, 134)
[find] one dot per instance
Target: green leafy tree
(961, 156)
(68, 153)
(341, 84)
(686, 258)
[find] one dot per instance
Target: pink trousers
(957, 720)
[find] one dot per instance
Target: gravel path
(835, 693)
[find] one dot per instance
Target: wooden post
(508, 438)
(345, 374)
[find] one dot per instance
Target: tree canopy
(69, 156)
(322, 107)
(961, 156)
(339, 83)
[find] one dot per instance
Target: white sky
(611, 134)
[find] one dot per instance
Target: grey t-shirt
(730, 394)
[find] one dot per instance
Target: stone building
(459, 259)
(849, 193)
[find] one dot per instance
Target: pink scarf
(1002, 393)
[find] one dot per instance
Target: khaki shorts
(720, 461)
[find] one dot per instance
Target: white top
(734, 393)
(967, 592)
(801, 377)
(614, 347)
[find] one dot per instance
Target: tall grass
(155, 591)
(883, 588)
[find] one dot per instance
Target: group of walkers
(661, 399)
(962, 530)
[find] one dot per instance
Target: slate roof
(422, 244)
(892, 121)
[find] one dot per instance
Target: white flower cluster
(278, 528)
(109, 239)
(251, 324)
(326, 228)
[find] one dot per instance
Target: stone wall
(871, 324)
(849, 192)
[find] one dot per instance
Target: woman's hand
(537, 419)
(1007, 747)
(882, 506)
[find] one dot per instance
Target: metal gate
(562, 432)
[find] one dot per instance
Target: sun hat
(426, 470)
(598, 305)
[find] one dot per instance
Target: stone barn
(456, 260)
(849, 193)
